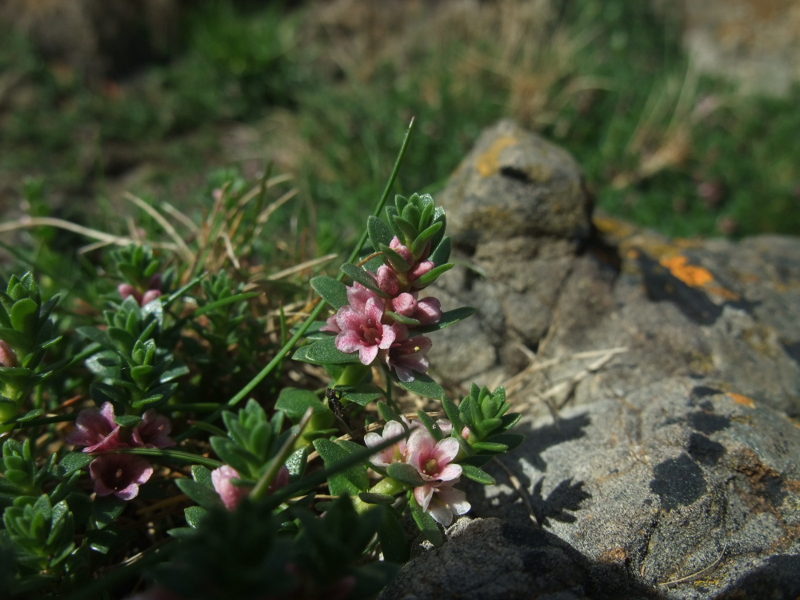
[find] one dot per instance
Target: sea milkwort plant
(153, 449)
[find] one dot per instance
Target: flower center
(431, 467)
(370, 332)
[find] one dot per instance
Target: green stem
(287, 347)
(353, 375)
(173, 454)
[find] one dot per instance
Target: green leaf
(93, 334)
(24, 315)
(409, 230)
(127, 420)
(450, 317)
(397, 262)
(73, 461)
(426, 523)
(106, 509)
(351, 481)
(363, 394)
(508, 421)
(202, 475)
(423, 237)
(101, 541)
(441, 254)
(391, 215)
(393, 538)
(203, 495)
(296, 463)
(371, 498)
(451, 410)
(363, 277)
(388, 413)
(489, 447)
(422, 385)
(430, 425)
(510, 440)
(332, 291)
(401, 319)
(379, 232)
(232, 454)
(123, 340)
(212, 306)
(14, 338)
(323, 352)
(194, 515)
(294, 402)
(405, 473)
(477, 474)
(433, 275)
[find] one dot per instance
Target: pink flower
(119, 474)
(364, 332)
(442, 501)
(407, 355)
(357, 297)
(433, 459)
(7, 356)
(231, 494)
(96, 430)
(153, 431)
(392, 454)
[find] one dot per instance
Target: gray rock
(488, 558)
(673, 369)
(517, 213)
(682, 483)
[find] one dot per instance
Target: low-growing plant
(134, 457)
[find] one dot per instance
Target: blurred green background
(324, 91)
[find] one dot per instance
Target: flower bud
(7, 356)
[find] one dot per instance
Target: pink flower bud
(231, 494)
(7, 356)
(149, 296)
(420, 270)
(125, 290)
(402, 250)
(429, 311)
(405, 304)
(387, 280)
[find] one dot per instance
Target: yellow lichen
(743, 400)
(488, 163)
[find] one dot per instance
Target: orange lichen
(743, 400)
(691, 275)
(488, 163)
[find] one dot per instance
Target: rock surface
(672, 464)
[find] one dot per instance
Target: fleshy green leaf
(202, 475)
(363, 394)
(477, 474)
(74, 461)
(510, 440)
(422, 385)
(363, 277)
(450, 317)
(203, 495)
(398, 262)
(194, 514)
(393, 539)
(332, 291)
(405, 473)
(24, 315)
(426, 523)
(489, 447)
(324, 351)
(371, 498)
(433, 275)
(105, 509)
(351, 481)
(441, 253)
(127, 420)
(379, 232)
(294, 402)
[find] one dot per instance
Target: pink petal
(387, 280)
(405, 304)
(449, 473)
(230, 493)
(429, 311)
(367, 354)
(446, 450)
(422, 495)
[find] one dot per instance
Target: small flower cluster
(383, 327)
(434, 463)
(143, 297)
(119, 474)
